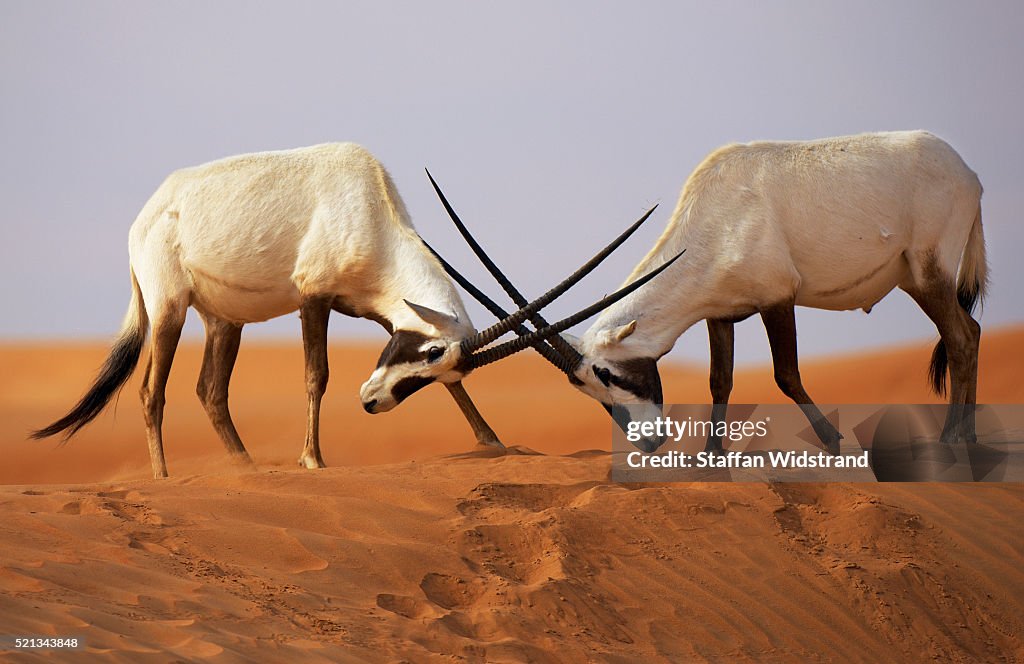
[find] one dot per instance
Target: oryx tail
(120, 364)
(971, 285)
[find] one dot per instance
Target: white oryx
(832, 224)
(316, 229)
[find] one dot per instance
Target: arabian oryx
(832, 224)
(316, 229)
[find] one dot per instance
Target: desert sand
(414, 547)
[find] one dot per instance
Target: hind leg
(935, 293)
(722, 340)
(167, 325)
(780, 323)
(314, 313)
(222, 339)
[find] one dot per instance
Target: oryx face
(413, 359)
(622, 377)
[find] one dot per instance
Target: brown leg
(780, 323)
(483, 432)
(314, 313)
(222, 339)
(166, 332)
(961, 335)
(722, 338)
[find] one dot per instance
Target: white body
(246, 238)
(834, 223)
(256, 236)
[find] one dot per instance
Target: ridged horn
(502, 351)
(550, 354)
(569, 356)
(481, 339)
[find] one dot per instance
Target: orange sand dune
(399, 553)
(512, 559)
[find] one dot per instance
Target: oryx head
(418, 354)
(604, 366)
(622, 374)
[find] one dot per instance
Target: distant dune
(526, 401)
(401, 553)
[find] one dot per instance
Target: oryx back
(248, 236)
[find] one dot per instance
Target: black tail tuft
(120, 364)
(937, 370)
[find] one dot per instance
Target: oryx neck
(668, 305)
(415, 275)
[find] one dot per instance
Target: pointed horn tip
(647, 214)
(433, 183)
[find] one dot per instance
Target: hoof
(494, 442)
(311, 463)
(484, 451)
(242, 459)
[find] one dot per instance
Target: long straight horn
(549, 353)
(570, 357)
(485, 337)
(502, 351)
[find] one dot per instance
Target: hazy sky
(551, 126)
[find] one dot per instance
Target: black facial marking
(409, 385)
(404, 346)
(603, 374)
(639, 377)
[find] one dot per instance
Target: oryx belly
(249, 301)
(862, 288)
(850, 262)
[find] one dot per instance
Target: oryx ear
(624, 331)
(572, 340)
(438, 319)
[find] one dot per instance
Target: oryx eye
(604, 375)
(434, 353)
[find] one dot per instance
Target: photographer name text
(771, 459)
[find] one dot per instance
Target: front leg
(314, 313)
(780, 323)
(722, 340)
(483, 432)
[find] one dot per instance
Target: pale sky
(551, 126)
